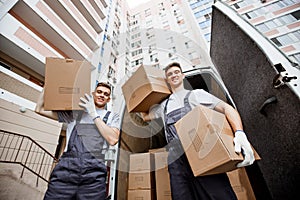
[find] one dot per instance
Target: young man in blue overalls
(81, 171)
(184, 185)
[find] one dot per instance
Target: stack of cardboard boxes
(141, 178)
(148, 177)
(162, 177)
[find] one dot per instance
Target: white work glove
(241, 143)
(89, 105)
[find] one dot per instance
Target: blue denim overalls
(184, 185)
(81, 171)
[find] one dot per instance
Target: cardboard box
(207, 139)
(240, 184)
(162, 177)
(141, 195)
(66, 80)
(141, 180)
(141, 162)
(146, 87)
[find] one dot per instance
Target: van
(138, 136)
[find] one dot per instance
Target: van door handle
(270, 100)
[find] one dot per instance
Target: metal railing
(20, 149)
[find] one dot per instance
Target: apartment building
(159, 32)
(30, 31)
(278, 20)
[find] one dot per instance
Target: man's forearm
(39, 108)
(232, 115)
(110, 134)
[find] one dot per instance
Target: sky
(134, 3)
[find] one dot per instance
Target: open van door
(264, 85)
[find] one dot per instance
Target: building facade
(278, 20)
(30, 31)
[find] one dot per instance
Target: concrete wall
(43, 130)
(13, 187)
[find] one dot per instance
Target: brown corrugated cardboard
(141, 195)
(145, 88)
(66, 80)
(157, 150)
(141, 180)
(207, 139)
(162, 177)
(241, 185)
(141, 162)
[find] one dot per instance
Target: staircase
(22, 150)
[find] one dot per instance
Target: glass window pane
(270, 24)
(296, 14)
(284, 39)
(278, 22)
(288, 19)
(262, 28)
(276, 42)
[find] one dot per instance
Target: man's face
(101, 96)
(174, 76)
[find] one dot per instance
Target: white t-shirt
(70, 118)
(176, 100)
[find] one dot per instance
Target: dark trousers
(184, 186)
(77, 178)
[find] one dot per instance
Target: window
(111, 72)
(147, 12)
(287, 39)
(99, 67)
(170, 40)
(296, 14)
(262, 27)
(295, 57)
(136, 44)
(207, 37)
(173, 49)
(137, 52)
(137, 62)
(134, 36)
(276, 42)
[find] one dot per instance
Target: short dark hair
(104, 85)
(173, 64)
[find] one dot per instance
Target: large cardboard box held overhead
(146, 87)
(66, 80)
(207, 139)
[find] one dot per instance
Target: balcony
(74, 19)
(87, 10)
(48, 26)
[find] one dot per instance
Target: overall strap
(165, 110)
(73, 135)
(105, 118)
(186, 101)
